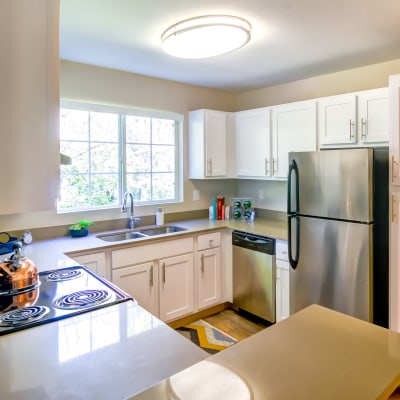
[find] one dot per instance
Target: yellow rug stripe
(203, 340)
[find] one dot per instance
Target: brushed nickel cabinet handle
(209, 166)
(395, 168)
(151, 277)
(274, 162)
(363, 129)
(351, 127)
(266, 166)
(394, 215)
(202, 263)
(163, 273)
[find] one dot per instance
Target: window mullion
(122, 156)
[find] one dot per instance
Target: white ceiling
(291, 39)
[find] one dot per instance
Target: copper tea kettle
(18, 274)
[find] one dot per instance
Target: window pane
(79, 152)
(74, 191)
(138, 158)
(74, 125)
(140, 186)
(163, 186)
(104, 189)
(104, 157)
(103, 127)
(163, 158)
(163, 131)
(137, 129)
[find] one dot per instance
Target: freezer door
(334, 267)
(334, 184)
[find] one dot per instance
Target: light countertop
(109, 353)
(53, 253)
(316, 354)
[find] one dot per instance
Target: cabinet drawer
(282, 250)
(208, 240)
(149, 252)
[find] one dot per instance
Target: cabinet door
(394, 128)
(141, 282)
(337, 120)
(253, 143)
(294, 128)
(30, 152)
(208, 277)
(176, 287)
(373, 116)
(282, 281)
(207, 144)
(95, 262)
(216, 157)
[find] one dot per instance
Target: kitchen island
(108, 353)
(316, 354)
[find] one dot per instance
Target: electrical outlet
(196, 195)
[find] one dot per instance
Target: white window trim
(96, 107)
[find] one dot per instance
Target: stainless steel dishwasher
(254, 274)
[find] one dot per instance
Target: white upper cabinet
(294, 128)
(253, 143)
(208, 144)
(29, 114)
(354, 119)
(337, 120)
(373, 116)
(394, 129)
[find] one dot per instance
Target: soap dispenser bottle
(160, 216)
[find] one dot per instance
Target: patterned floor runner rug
(206, 336)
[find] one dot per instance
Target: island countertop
(315, 354)
(108, 353)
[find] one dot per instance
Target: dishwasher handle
(250, 241)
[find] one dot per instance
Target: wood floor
(239, 326)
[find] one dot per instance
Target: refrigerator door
(334, 266)
(334, 184)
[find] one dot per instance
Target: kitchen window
(114, 150)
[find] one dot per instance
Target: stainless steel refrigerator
(338, 231)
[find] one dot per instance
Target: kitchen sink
(141, 233)
(161, 230)
(117, 237)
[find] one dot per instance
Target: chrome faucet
(131, 218)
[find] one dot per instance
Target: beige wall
(87, 83)
(352, 80)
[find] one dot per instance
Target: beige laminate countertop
(315, 354)
(53, 253)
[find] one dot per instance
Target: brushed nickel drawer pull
(163, 273)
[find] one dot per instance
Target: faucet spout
(131, 218)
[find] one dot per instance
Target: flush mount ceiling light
(206, 36)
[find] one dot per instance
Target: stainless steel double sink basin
(140, 233)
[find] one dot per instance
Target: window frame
(122, 113)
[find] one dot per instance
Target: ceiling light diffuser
(206, 36)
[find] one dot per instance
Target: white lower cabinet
(141, 282)
(208, 270)
(160, 276)
(95, 262)
(282, 281)
(176, 287)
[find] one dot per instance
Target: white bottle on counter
(160, 216)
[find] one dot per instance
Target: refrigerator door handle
(293, 169)
(292, 214)
(293, 260)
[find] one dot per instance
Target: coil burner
(64, 275)
(82, 299)
(23, 316)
